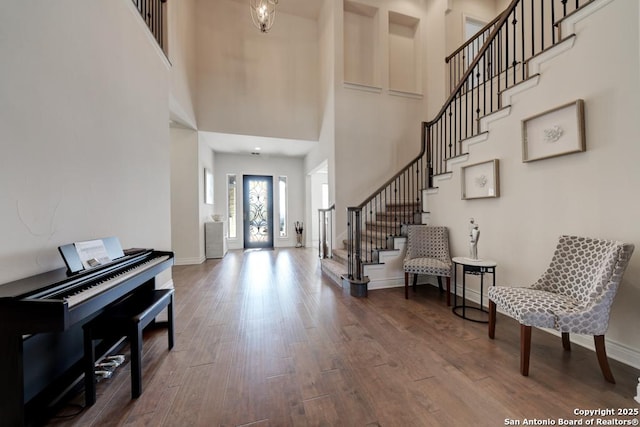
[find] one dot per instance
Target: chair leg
(492, 319)
(406, 285)
(415, 281)
(601, 352)
(566, 342)
(525, 349)
(440, 283)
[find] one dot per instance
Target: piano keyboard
(104, 285)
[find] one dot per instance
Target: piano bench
(126, 318)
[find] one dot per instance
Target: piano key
(105, 285)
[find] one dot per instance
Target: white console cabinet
(215, 239)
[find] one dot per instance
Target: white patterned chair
(427, 253)
(574, 295)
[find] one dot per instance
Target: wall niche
(361, 45)
(404, 54)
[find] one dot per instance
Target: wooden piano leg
(89, 361)
(135, 342)
(170, 331)
(11, 374)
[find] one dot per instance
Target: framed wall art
(554, 133)
(481, 180)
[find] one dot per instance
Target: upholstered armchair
(427, 253)
(574, 295)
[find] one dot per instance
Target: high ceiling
(305, 8)
(261, 145)
(267, 146)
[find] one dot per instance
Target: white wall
(206, 159)
(324, 152)
(481, 10)
(375, 128)
(240, 165)
(185, 196)
(181, 49)
(436, 48)
(589, 194)
(189, 158)
(251, 83)
(84, 131)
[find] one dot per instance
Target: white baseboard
(189, 261)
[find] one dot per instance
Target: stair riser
(396, 217)
(390, 229)
(407, 205)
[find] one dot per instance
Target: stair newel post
(325, 223)
(355, 243)
(320, 239)
(358, 283)
(358, 243)
(331, 216)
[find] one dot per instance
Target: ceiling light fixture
(263, 13)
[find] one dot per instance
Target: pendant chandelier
(263, 13)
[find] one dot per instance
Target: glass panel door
(258, 211)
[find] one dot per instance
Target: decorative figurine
(474, 235)
(637, 398)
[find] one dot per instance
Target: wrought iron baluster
(515, 57)
(542, 27)
(522, 36)
(553, 22)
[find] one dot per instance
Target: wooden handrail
(471, 40)
(502, 18)
(474, 63)
(458, 119)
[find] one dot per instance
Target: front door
(258, 211)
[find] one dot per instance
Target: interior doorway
(258, 211)
(319, 198)
(472, 27)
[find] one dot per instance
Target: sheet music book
(92, 253)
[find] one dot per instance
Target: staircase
(384, 240)
(507, 56)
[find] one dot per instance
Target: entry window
(282, 207)
(232, 191)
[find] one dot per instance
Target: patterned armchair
(427, 253)
(574, 295)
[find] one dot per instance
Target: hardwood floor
(262, 339)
